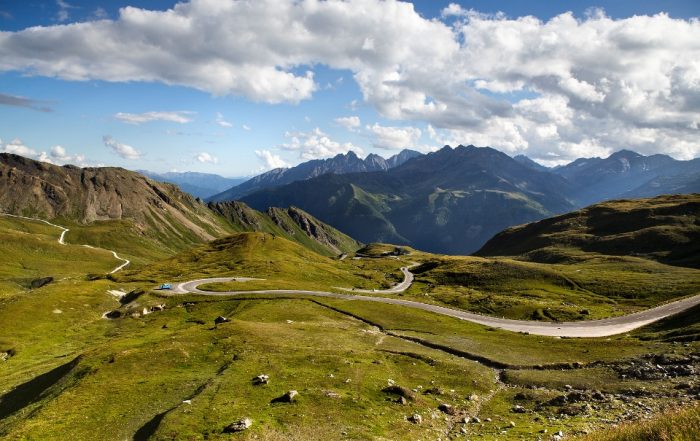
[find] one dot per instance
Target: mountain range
(201, 185)
(339, 164)
(449, 201)
(453, 200)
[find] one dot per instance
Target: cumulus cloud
(123, 150)
(632, 82)
(316, 145)
(57, 154)
(17, 147)
(270, 160)
(394, 138)
(180, 117)
(351, 123)
(206, 158)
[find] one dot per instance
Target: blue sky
(83, 94)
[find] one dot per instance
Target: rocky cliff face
(86, 195)
(290, 223)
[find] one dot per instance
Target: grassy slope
(676, 425)
(135, 368)
(267, 256)
(665, 228)
(599, 286)
(30, 250)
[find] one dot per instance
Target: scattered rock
(557, 401)
(160, 307)
(415, 419)
(112, 314)
(402, 401)
(518, 409)
(221, 319)
(400, 391)
(446, 408)
(261, 379)
(476, 420)
(331, 394)
(511, 424)
(434, 391)
(131, 296)
(289, 397)
(238, 426)
(38, 283)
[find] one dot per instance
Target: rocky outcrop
(86, 195)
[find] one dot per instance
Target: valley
(349, 220)
(381, 342)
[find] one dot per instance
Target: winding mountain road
(62, 241)
(589, 328)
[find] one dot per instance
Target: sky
(237, 87)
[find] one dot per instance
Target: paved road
(399, 287)
(62, 241)
(589, 328)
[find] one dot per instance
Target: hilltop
(664, 228)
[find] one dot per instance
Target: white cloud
(206, 158)
(222, 122)
(246, 127)
(57, 154)
(394, 138)
(351, 123)
(609, 76)
(63, 10)
(180, 117)
(61, 156)
(316, 145)
(270, 160)
(17, 147)
(123, 150)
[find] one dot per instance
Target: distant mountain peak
(627, 154)
(341, 163)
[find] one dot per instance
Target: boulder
(113, 314)
(261, 379)
(288, 397)
(38, 283)
(415, 418)
(400, 391)
(238, 426)
(446, 408)
(221, 319)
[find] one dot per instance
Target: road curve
(589, 328)
(399, 287)
(62, 241)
